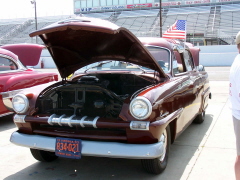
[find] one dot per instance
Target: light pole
(35, 9)
(160, 16)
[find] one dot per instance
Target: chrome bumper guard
(93, 148)
(63, 120)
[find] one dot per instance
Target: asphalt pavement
(204, 151)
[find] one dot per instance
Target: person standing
(234, 92)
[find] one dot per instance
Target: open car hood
(28, 54)
(75, 43)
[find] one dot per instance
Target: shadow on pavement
(185, 149)
(6, 123)
(181, 153)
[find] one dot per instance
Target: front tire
(158, 165)
(200, 118)
(43, 156)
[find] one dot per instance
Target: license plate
(68, 148)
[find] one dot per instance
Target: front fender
(157, 127)
(166, 120)
(34, 91)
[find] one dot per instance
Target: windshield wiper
(100, 64)
(139, 67)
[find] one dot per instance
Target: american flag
(176, 31)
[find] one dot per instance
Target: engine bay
(92, 95)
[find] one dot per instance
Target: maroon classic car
(14, 76)
(127, 98)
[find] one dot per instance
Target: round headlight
(140, 108)
(20, 103)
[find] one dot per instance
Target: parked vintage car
(14, 76)
(128, 97)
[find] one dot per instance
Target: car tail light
(55, 77)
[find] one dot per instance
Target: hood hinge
(64, 80)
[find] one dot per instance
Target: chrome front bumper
(93, 148)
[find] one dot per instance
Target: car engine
(92, 95)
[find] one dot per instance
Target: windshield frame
(170, 56)
(137, 68)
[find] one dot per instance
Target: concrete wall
(218, 55)
(209, 56)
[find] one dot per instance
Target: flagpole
(185, 35)
(160, 16)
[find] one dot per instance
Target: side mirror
(201, 68)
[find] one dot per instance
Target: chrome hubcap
(164, 140)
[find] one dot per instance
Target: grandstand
(18, 30)
(208, 24)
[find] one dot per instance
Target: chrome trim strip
(82, 121)
(104, 149)
(69, 120)
(10, 94)
(60, 118)
(5, 114)
(159, 121)
(164, 114)
(11, 71)
(50, 119)
(94, 122)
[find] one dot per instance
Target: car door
(196, 83)
(189, 89)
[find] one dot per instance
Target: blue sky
(10, 9)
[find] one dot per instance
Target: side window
(7, 64)
(177, 63)
(175, 67)
(188, 60)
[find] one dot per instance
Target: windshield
(112, 65)
(162, 56)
